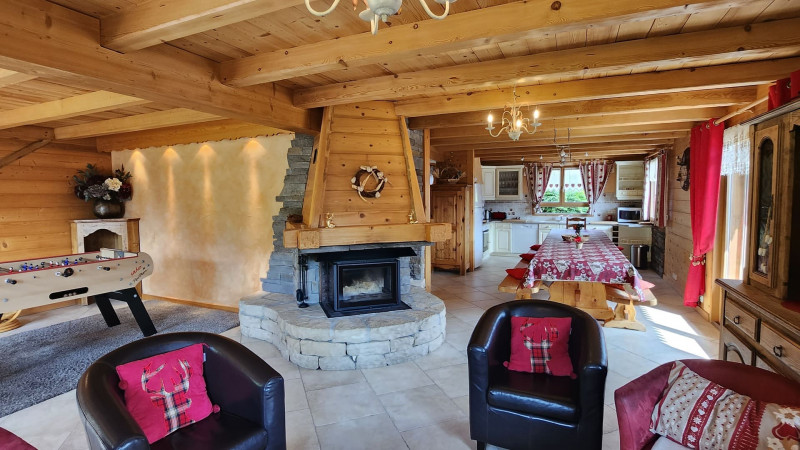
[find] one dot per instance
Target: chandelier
(513, 123)
(564, 151)
(382, 9)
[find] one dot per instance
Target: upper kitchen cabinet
(630, 180)
(488, 174)
(509, 183)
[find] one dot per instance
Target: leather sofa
(249, 392)
(635, 401)
(517, 410)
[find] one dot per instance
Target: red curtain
(706, 158)
(779, 94)
(595, 176)
(538, 176)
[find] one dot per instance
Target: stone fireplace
(350, 258)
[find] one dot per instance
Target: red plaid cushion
(540, 345)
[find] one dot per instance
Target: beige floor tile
(463, 404)
(459, 340)
(419, 407)
(454, 380)
(456, 304)
(470, 315)
(321, 379)
(300, 431)
(46, 425)
(611, 441)
(450, 435)
(476, 296)
(456, 325)
(610, 423)
(366, 433)
(341, 403)
(398, 377)
(263, 349)
(295, 395)
(446, 355)
(287, 370)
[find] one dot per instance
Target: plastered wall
(206, 214)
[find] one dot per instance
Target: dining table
(585, 273)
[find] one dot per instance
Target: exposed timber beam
(28, 133)
(184, 134)
(547, 140)
(9, 77)
(702, 78)
(159, 119)
(78, 105)
(44, 39)
(639, 104)
(758, 40)
(509, 22)
(478, 134)
(155, 21)
(24, 151)
(614, 120)
(644, 145)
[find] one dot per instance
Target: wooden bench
(589, 296)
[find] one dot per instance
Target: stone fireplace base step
(311, 340)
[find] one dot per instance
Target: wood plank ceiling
(621, 77)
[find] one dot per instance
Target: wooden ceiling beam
(577, 123)
(663, 137)
(28, 133)
(759, 39)
(701, 78)
(159, 119)
(78, 105)
(582, 147)
(509, 22)
(676, 101)
(10, 78)
(155, 21)
(44, 39)
(479, 133)
(184, 134)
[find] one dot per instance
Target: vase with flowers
(108, 191)
(578, 242)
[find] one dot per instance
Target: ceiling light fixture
(564, 151)
(513, 123)
(382, 9)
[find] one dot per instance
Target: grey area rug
(40, 364)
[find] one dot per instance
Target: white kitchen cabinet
(630, 180)
(523, 235)
(607, 229)
(488, 174)
(502, 237)
(508, 182)
(629, 235)
(544, 230)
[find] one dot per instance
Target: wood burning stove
(361, 282)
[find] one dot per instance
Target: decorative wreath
(359, 182)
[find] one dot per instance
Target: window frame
(561, 195)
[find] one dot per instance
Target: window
(650, 190)
(564, 193)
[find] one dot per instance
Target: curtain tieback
(698, 260)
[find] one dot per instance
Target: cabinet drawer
(741, 319)
(733, 349)
(780, 346)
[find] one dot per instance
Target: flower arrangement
(90, 184)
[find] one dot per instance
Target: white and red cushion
(698, 413)
(541, 345)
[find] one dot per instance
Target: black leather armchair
(517, 410)
(249, 392)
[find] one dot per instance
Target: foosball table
(106, 274)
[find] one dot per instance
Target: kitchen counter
(556, 222)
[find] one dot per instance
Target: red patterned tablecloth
(598, 260)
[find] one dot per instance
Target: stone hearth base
(311, 340)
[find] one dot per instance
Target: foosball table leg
(138, 310)
(131, 297)
(104, 305)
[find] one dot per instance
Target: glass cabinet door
(508, 182)
(762, 252)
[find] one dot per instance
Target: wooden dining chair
(576, 221)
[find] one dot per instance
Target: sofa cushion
(540, 345)
(527, 256)
(519, 273)
(698, 413)
(535, 394)
(167, 391)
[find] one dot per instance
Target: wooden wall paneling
(315, 185)
(679, 226)
(417, 209)
(37, 202)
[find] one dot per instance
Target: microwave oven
(628, 215)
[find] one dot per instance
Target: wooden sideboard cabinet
(758, 330)
(452, 203)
